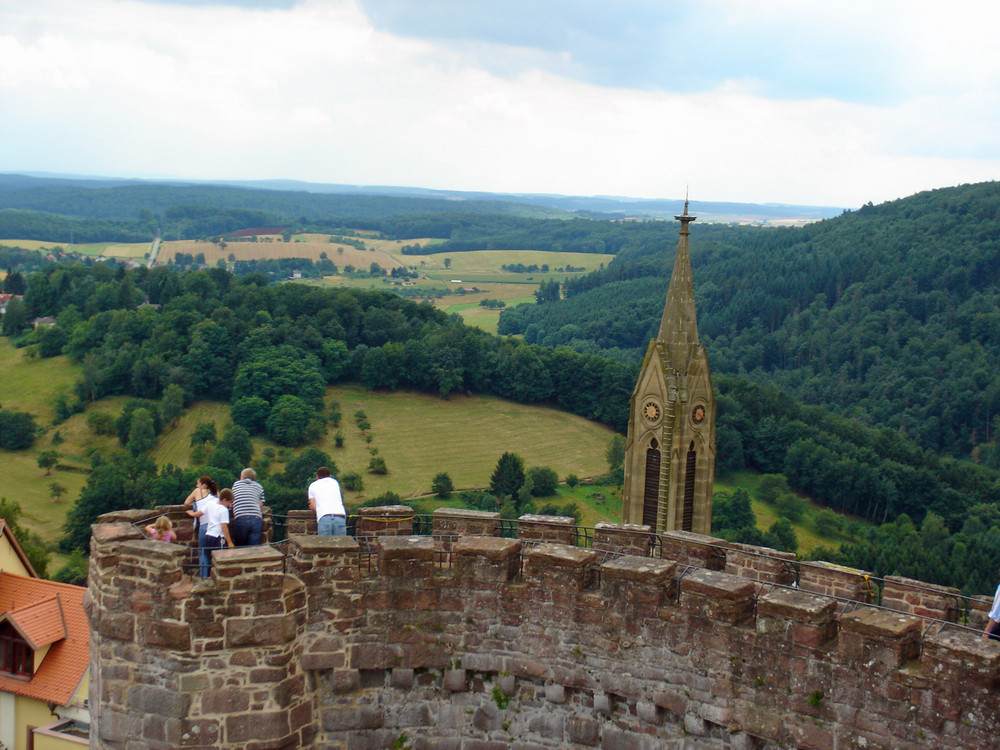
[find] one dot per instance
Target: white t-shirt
(326, 493)
(995, 609)
(216, 514)
(202, 505)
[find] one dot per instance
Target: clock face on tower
(698, 415)
(651, 411)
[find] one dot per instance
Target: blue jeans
(205, 553)
(247, 530)
(330, 525)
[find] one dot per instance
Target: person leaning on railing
(325, 499)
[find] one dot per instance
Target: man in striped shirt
(248, 504)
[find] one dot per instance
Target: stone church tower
(670, 449)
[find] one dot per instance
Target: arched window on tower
(687, 521)
(651, 493)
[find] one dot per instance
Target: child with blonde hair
(162, 530)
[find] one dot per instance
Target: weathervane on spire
(685, 218)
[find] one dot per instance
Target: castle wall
(499, 643)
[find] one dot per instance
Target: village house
(44, 657)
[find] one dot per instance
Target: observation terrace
(463, 631)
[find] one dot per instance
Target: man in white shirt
(325, 499)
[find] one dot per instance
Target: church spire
(679, 324)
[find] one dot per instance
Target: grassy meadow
(766, 515)
(419, 435)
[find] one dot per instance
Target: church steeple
(670, 448)
(679, 324)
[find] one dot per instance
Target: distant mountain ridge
(592, 206)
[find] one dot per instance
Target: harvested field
(341, 255)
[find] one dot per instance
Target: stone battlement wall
(470, 640)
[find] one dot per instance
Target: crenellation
(384, 520)
(535, 529)
(447, 643)
(406, 556)
(694, 550)
(760, 563)
(486, 561)
(449, 524)
(837, 581)
(623, 538)
(921, 599)
(717, 596)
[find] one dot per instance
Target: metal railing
(583, 537)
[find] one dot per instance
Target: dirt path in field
(154, 251)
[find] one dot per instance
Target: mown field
(341, 255)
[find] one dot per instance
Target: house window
(16, 656)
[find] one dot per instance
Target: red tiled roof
(22, 599)
(40, 624)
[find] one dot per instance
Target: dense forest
(887, 314)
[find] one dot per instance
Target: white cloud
(316, 92)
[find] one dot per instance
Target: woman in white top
(204, 494)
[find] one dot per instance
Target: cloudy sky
(784, 101)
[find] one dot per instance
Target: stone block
(695, 550)
(151, 699)
(718, 596)
(637, 584)
(760, 563)
(352, 718)
(384, 520)
(224, 701)
(921, 599)
(451, 524)
(583, 731)
(455, 680)
(623, 538)
(956, 656)
(551, 529)
(118, 626)
(555, 693)
(797, 617)
(406, 556)
(870, 635)
(554, 568)
(486, 560)
(836, 581)
(257, 726)
(259, 631)
(192, 732)
(175, 636)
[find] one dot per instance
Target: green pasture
(766, 514)
(489, 262)
(596, 502)
(30, 384)
(420, 435)
(174, 445)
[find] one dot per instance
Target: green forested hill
(126, 201)
(887, 314)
